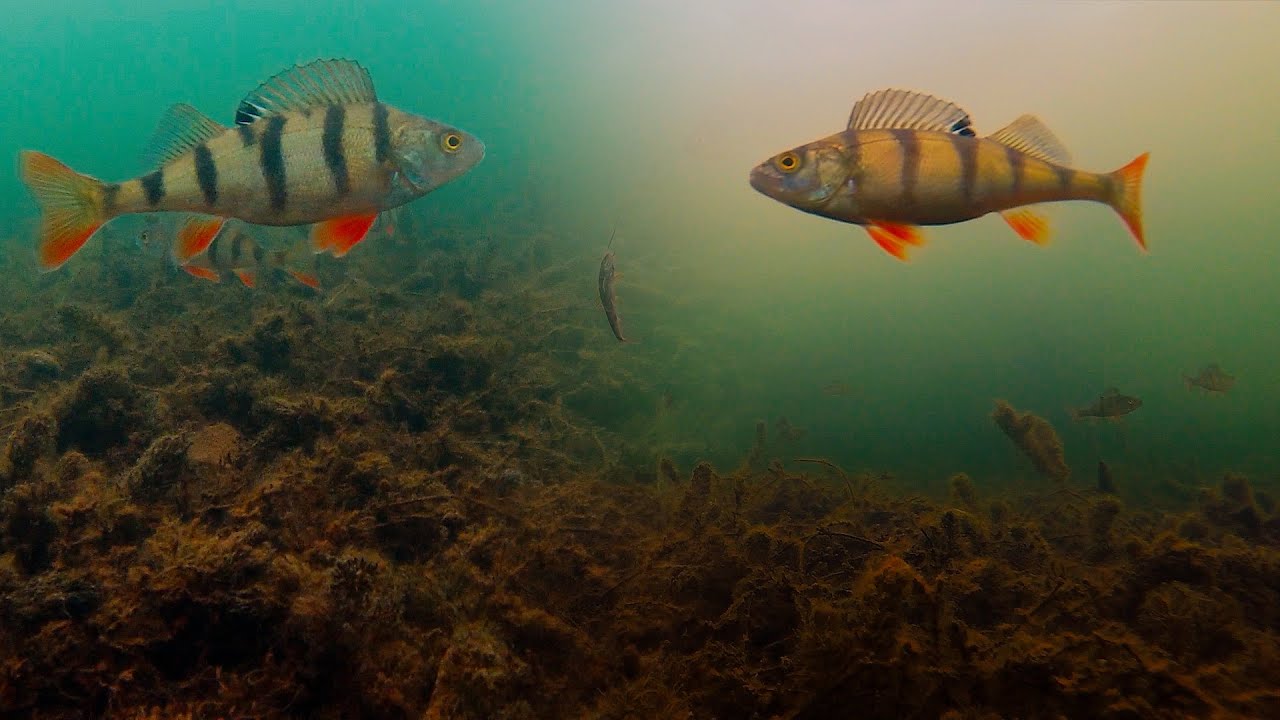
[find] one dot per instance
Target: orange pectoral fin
(195, 237)
(1029, 224)
(341, 234)
(247, 278)
(203, 273)
(895, 237)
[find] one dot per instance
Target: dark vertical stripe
(381, 134)
(237, 250)
(1066, 176)
(967, 151)
(153, 186)
(334, 120)
(246, 135)
(207, 174)
(1017, 171)
(258, 254)
(215, 247)
(271, 158)
(910, 145)
(109, 194)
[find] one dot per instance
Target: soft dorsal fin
(1111, 392)
(1028, 135)
(908, 110)
(316, 84)
(181, 128)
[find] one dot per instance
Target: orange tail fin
(1127, 196)
(71, 203)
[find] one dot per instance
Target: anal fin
(1029, 224)
(895, 238)
(305, 278)
(339, 235)
(203, 273)
(247, 278)
(195, 237)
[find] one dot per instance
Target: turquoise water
(652, 113)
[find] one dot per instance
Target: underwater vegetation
(374, 501)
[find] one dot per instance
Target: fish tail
(1126, 196)
(71, 203)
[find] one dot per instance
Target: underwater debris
(103, 411)
(962, 490)
(1036, 438)
(101, 330)
(161, 467)
(1106, 483)
(34, 437)
(36, 367)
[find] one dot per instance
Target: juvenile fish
(907, 159)
(311, 145)
(233, 251)
(608, 295)
(1212, 379)
(1110, 404)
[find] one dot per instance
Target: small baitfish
(311, 145)
(608, 294)
(1110, 404)
(233, 251)
(1211, 379)
(907, 159)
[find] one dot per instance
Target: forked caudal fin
(71, 203)
(1126, 196)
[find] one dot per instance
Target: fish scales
(932, 178)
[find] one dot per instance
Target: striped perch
(311, 145)
(908, 159)
(234, 251)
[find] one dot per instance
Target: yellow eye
(451, 142)
(788, 162)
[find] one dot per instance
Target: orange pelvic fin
(1127, 196)
(895, 237)
(1029, 224)
(71, 202)
(203, 273)
(247, 278)
(195, 237)
(305, 278)
(341, 234)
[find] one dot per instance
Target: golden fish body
(931, 178)
(908, 159)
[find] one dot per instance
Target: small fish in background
(312, 145)
(836, 389)
(1212, 379)
(1111, 404)
(607, 282)
(234, 251)
(908, 159)
(787, 432)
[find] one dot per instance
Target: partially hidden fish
(1110, 404)
(234, 251)
(908, 159)
(1211, 379)
(311, 145)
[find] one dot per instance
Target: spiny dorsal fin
(316, 84)
(1111, 392)
(181, 128)
(908, 110)
(1028, 135)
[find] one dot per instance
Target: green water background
(653, 112)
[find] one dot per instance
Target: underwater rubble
(373, 502)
